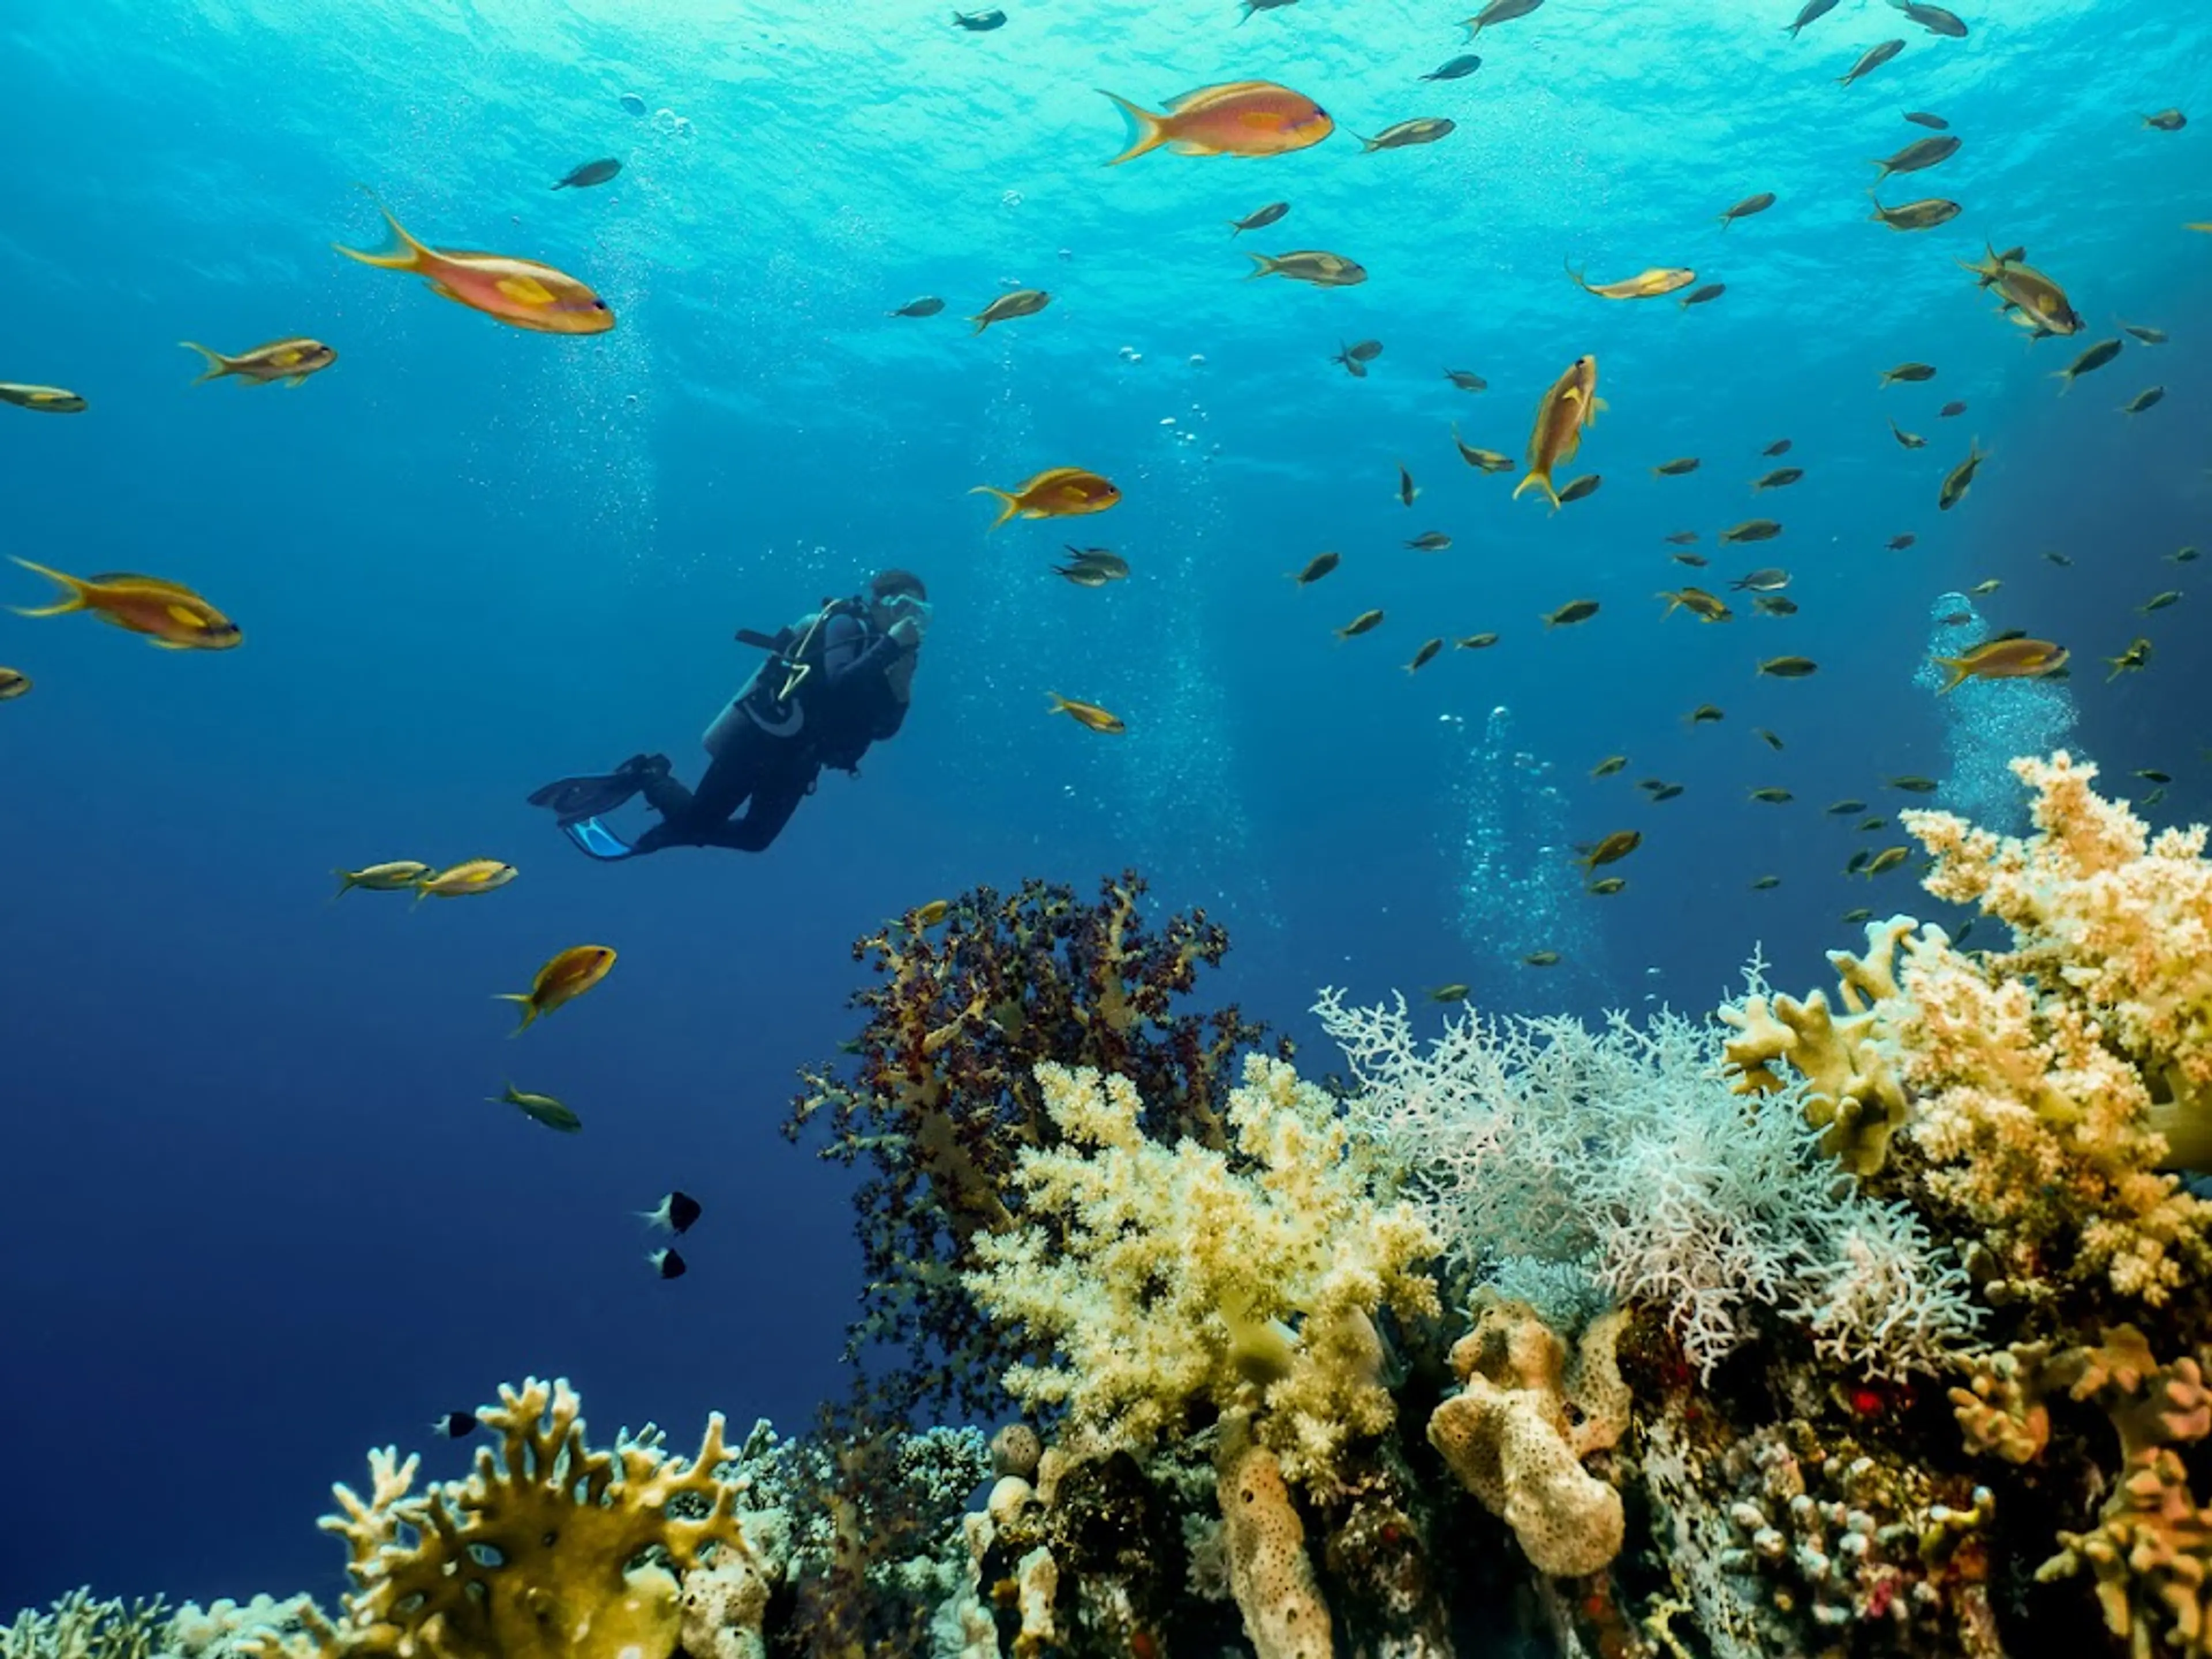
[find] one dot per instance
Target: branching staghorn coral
(1159, 1277)
(941, 1099)
(79, 1627)
(536, 1555)
(1626, 1151)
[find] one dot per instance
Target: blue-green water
(253, 1213)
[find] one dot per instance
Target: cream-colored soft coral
(1165, 1277)
(531, 1556)
(2122, 920)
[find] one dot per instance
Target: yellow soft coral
(531, 1556)
(1162, 1276)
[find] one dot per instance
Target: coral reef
(1160, 1279)
(79, 1627)
(533, 1555)
(940, 1097)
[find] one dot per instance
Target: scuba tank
(769, 698)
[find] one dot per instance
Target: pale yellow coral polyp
(1138, 1264)
(530, 1557)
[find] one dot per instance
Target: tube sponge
(1269, 1573)
(1508, 1436)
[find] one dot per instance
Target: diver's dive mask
(912, 606)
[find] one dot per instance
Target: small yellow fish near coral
(1089, 715)
(395, 877)
(43, 400)
(1571, 404)
(464, 879)
(1060, 492)
(1237, 117)
(171, 616)
(562, 980)
(520, 293)
(2001, 660)
(1644, 285)
(288, 361)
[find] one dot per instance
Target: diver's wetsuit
(846, 703)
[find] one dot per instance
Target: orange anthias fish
(1060, 493)
(1241, 118)
(519, 292)
(173, 617)
(564, 979)
(2002, 660)
(1571, 404)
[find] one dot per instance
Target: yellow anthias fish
(562, 980)
(2002, 660)
(461, 880)
(395, 877)
(1571, 404)
(1088, 714)
(520, 292)
(1238, 118)
(1644, 285)
(173, 617)
(288, 361)
(1059, 493)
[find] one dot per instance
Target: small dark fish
(1259, 218)
(1695, 561)
(2144, 332)
(1706, 714)
(1922, 118)
(1487, 460)
(2137, 655)
(1767, 737)
(929, 305)
(1610, 850)
(1251, 6)
(1769, 579)
(1898, 544)
(2182, 555)
(1452, 993)
(1920, 153)
(1423, 130)
(1680, 538)
(1430, 541)
(1752, 530)
(1774, 605)
(1913, 784)
(1772, 797)
(1608, 766)
(1780, 446)
(1675, 469)
(1870, 825)
(2152, 775)
(1576, 489)
(1955, 407)
(674, 1213)
(668, 1263)
(2056, 558)
(1424, 656)
(1851, 918)
(1746, 207)
(591, 173)
(1406, 488)
(1457, 69)
(1022, 302)
(1789, 668)
(1811, 11)
(1704, 296)
(1764, 883)
(1843, 809)
(1888, 858)
(1476, 642)
(1607, 886)
(1960, 478)
(1104, 560)
(632, 102)
(976, 22)
(1872, 59)
(1365, 621)
(2094, 358)
(1909, 440)
(1362, 351)
(1575, 610)
(1541, 959)
(1499, 11)
(1779, 478)
(455, 1425)
(2167, 120)
(1933, 19)
(1466, 380)
(2143, 400)
(1857, 862)
(1666, 791)
(1317, 566)
(1908, 372)
(2161, 601)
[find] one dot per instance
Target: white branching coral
(2053, 1081)
(1627, 1150)
(1163, 1277)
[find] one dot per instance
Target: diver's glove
(912, 623)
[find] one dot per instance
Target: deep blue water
(254, 1214)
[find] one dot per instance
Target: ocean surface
(255, 1213)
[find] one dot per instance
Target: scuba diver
(835, 681)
